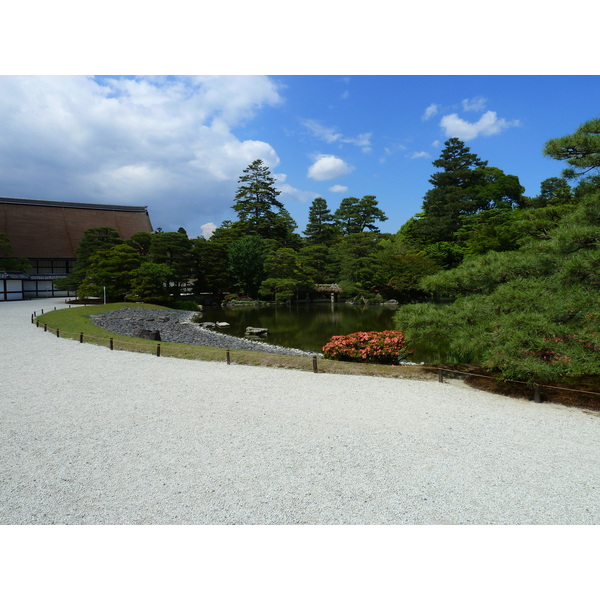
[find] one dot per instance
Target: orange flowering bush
(383, 347)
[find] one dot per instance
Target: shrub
(382, 347)
(185, 305)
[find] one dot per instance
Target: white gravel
(94, 436)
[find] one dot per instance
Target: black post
(45, 327)
(32, 318)
(157, 349)
(228, 356)
(110, 342)
(315, 369)
(441, 376)
(42, 311)
(536, 393)
(57, 333)
(81, 337)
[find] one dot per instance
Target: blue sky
(178, 144)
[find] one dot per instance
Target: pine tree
(256, 203)
(354, 215)
(581, 149)
(320, 228)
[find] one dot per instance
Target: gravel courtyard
(93, 436)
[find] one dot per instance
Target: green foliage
(246, 263)
(400, 272)
(257, 205)
(468, 211)
(381, 347)
(187, 305)
(176, 251)
(531, 314)
(321, 228)
(149, 283)
(354, 215)
(110, 269)
(581, 150)
(93, 240)
(141, 242)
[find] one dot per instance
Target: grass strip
(74, 321)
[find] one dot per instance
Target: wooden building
(48, 234)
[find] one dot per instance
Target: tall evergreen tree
(256, 203)
(320, 228)
(354, 215)
(93, 240)
(467, 195)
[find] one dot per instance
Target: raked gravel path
(94, 436)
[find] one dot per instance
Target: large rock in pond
(256, 331)
(148, 334)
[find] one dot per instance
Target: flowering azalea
(388, 347)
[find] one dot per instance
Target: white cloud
(420, 155)
(436, 143)
(331, 135)
(290, 192)
(488, 124)
(327, 166)
(207, 230)
(338, 189)
(430, 111)
(474, 104)
(327, 134)
(164, 142)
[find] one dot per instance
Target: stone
(222, 324)
(147, 334)
(207, 324)
(256, 331)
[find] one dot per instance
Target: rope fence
(143, 348)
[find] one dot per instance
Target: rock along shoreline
(177, 326)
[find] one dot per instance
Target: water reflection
(305, 326)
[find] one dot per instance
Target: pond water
(305, 326)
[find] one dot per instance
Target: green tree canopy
(110, 269)
(320, 228)
(581, 150)
(354, 215)
(93, 240)
(246, 263)
(256, 201)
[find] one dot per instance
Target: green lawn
(71, 322)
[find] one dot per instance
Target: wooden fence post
(315, 368)
(228, 356)
(536, 393)
(57, 333)
(110, 343)
(81, 337)
(440, 376)
(157, 349)
(45, 327)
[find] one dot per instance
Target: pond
(304, 326)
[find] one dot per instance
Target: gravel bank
(93, 436)
(176, 326)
